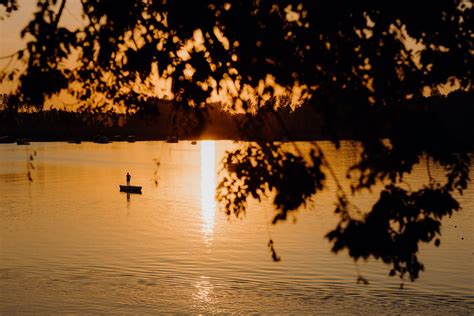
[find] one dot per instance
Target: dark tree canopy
(359, 55)
(338, 51)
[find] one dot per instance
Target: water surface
(72, 243)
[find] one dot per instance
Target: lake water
(72, 243)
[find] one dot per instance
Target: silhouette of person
(128, 178)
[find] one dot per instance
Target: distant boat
(131, 189)
(101, 139)
(22, 141)
(172, 139)
(131, 139)
(117, 138)
(194, 142)
(6, 140)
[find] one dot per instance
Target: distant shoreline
(462, 145)
(443, 122)
(13, 139)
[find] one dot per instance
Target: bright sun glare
(208, 185)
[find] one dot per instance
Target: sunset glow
(236, 157)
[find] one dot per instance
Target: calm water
(71, 243)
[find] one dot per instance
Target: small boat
(194, 142)
(118, 138)
(172, 139)
(6, 140)
(131, 139)
(22, 141)
(131, 189)
(102, 139)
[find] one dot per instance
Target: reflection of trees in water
(348, 60)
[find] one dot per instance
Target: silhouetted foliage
(394, 226)
(338, 51)
(255, 169)
(347, 59)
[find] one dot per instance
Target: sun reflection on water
(204, 294)
(208, 185)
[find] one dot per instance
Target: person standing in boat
(128, 178)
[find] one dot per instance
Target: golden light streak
(208, 185)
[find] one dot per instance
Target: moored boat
(22, 141)
(172, 139)
(120, 138)
(6, 140)
(101, 139)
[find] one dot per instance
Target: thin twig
(60, 12)
(12, 54)
(428, 170)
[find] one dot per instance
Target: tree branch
(60, 12)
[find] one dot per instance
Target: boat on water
(194, 142)
(6, 140)
(172, 139)
(118, 138)
(22, 141)
(131, 189)
(131, 139)
(101, 139)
